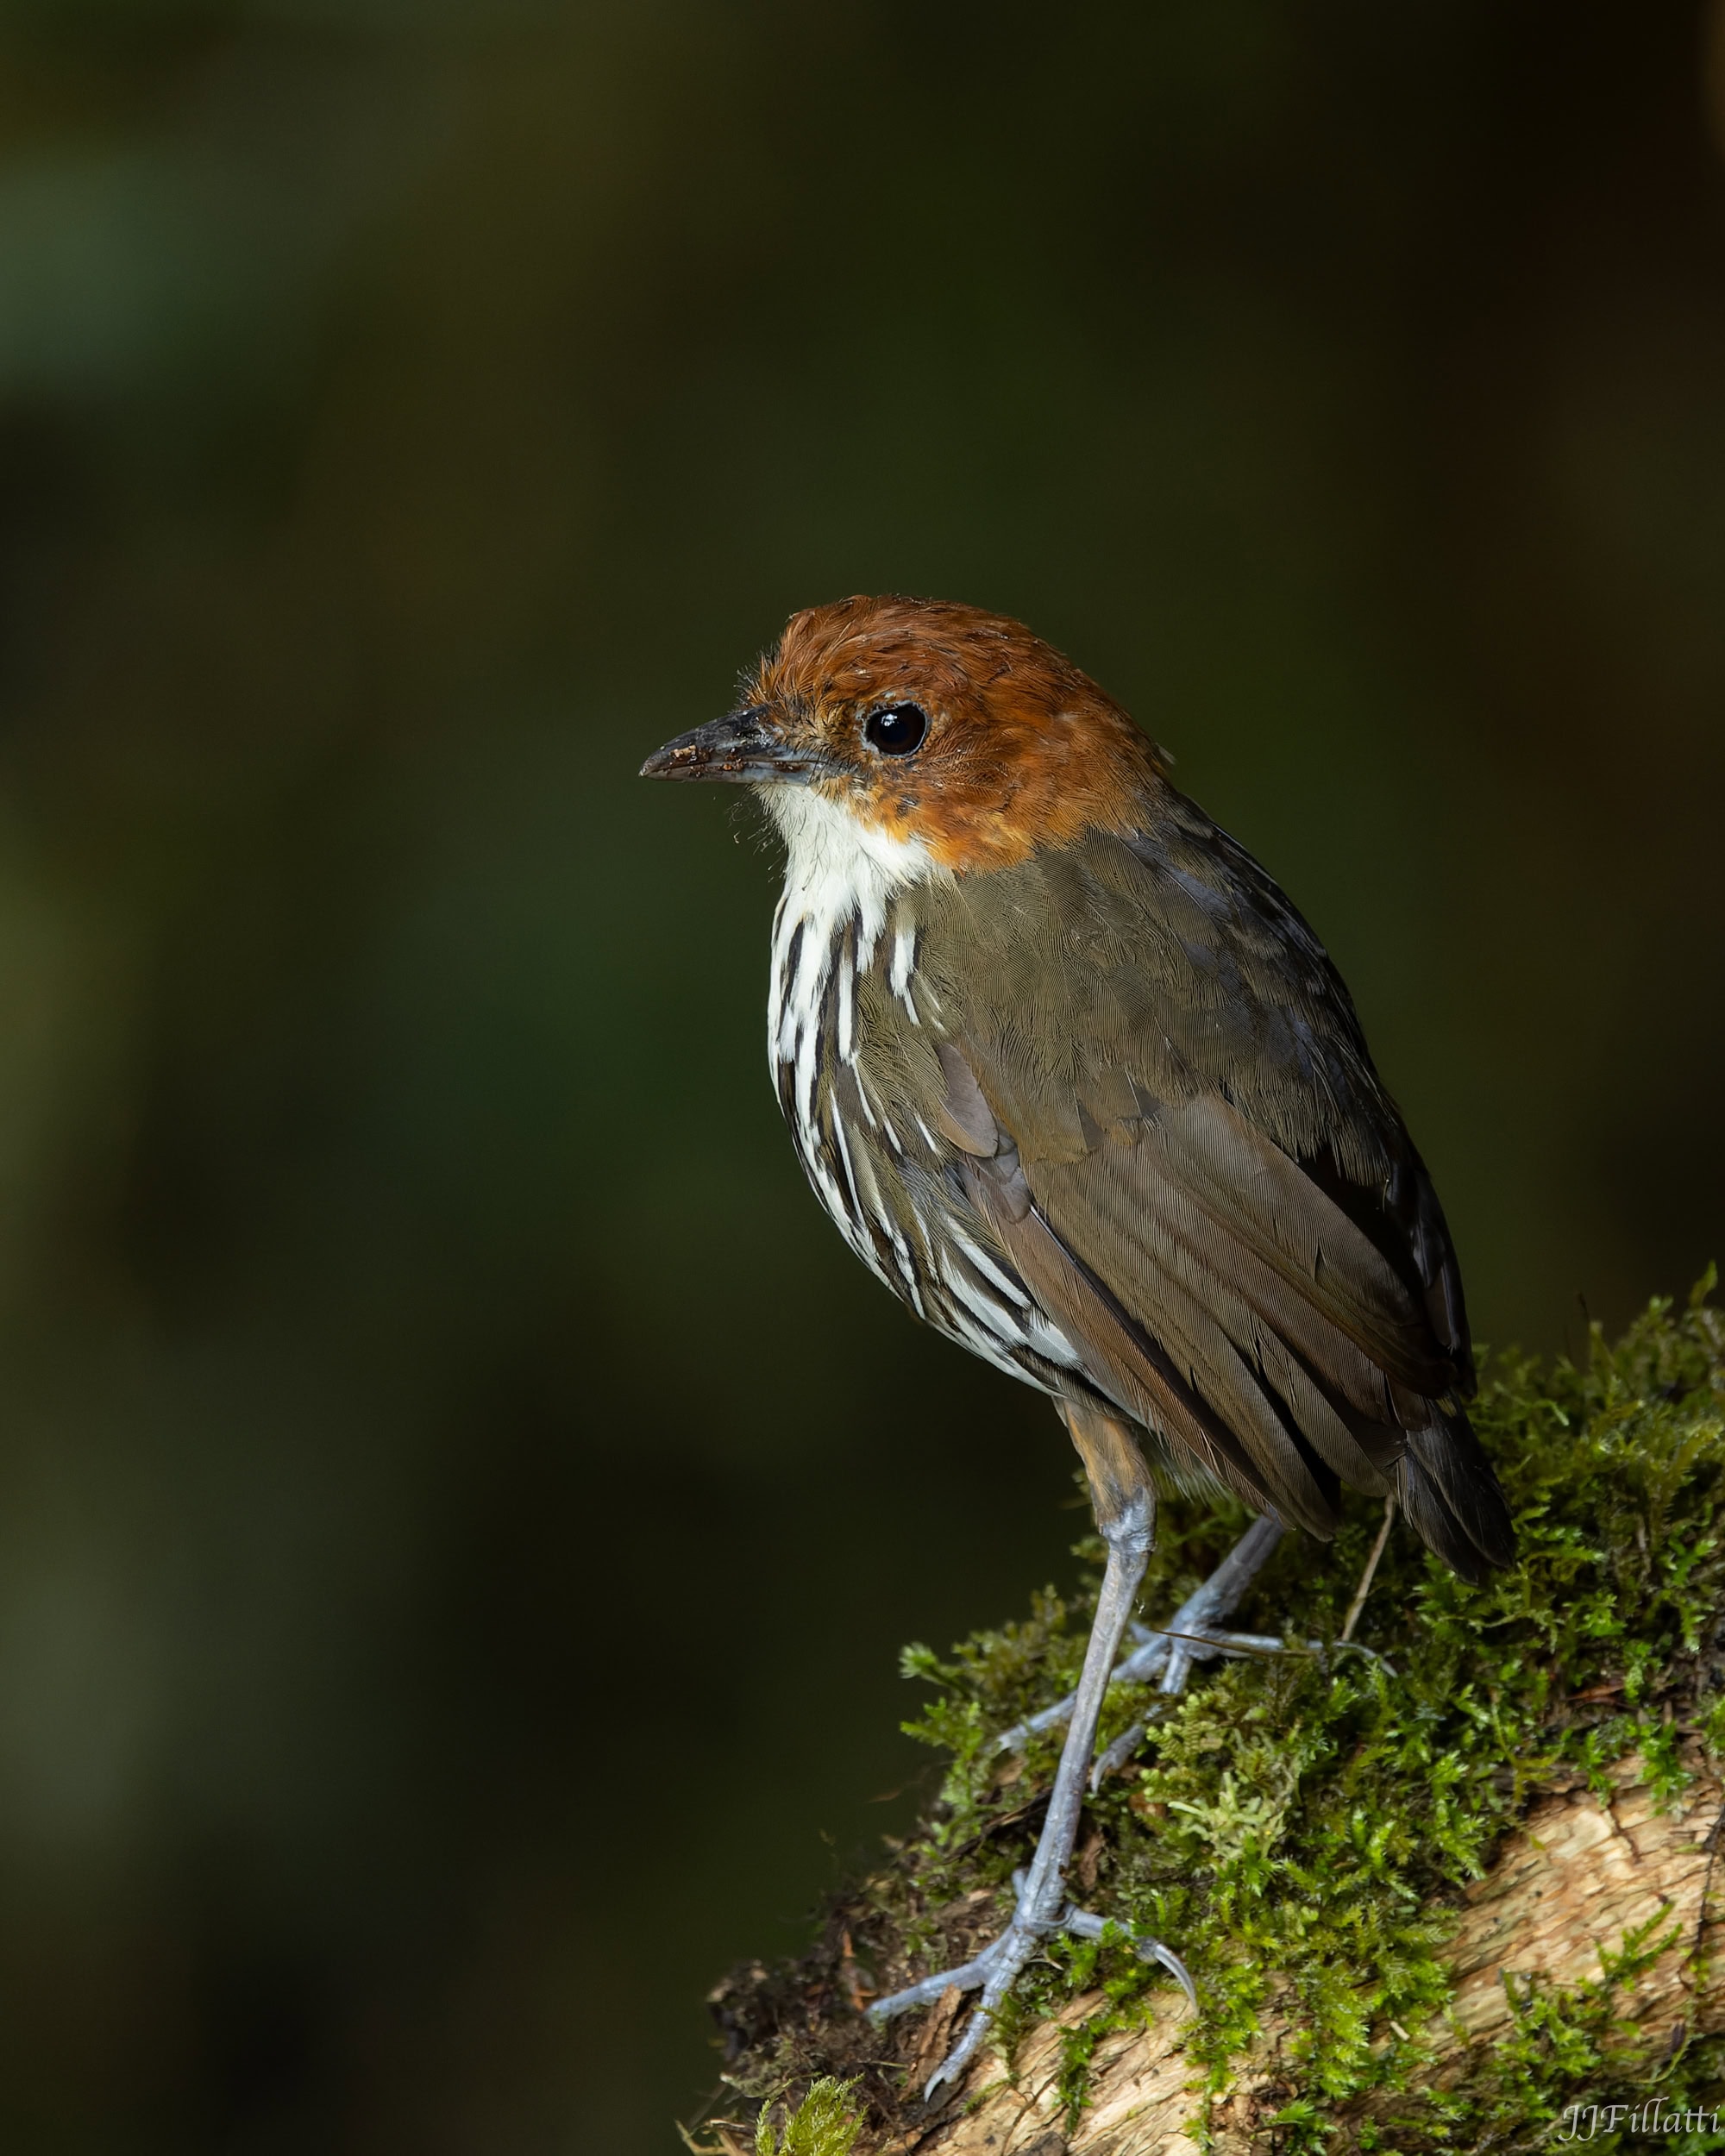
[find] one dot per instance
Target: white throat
(837, 866)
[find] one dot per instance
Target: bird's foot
(999, 1966)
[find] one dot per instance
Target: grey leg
(1195, 1634)
(1183, 1642)
(1042, 1901)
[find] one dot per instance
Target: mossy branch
(1430, 1900)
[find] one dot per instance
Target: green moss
(1298, 1827)
(824, 2124)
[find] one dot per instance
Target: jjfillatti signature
(1584, 2122)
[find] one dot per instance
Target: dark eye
(896, 731)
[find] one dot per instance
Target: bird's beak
(744, 749)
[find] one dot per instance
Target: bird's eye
(895, 730)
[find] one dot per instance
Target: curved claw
(1153, 1950)
(1117, 1754)
(959, 2057)
(1083, 1924)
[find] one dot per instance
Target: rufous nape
(1078, 1083)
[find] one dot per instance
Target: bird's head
(931, 724)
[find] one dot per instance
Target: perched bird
(1079, 1084)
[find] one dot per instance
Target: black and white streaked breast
(892, 1186)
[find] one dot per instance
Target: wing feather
(1168, 1115)
(1128, 1365)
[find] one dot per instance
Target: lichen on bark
(1335, 1843)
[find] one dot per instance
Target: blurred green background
(458, 1501)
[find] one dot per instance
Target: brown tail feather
(1451, 1495)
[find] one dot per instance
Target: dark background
(458, 1501)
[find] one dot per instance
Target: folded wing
(1192, 1162)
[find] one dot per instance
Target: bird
(1079, 1084)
